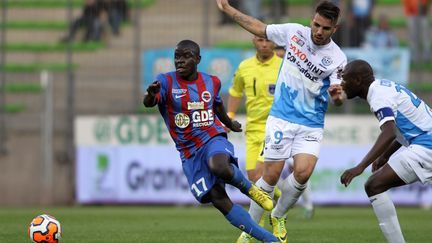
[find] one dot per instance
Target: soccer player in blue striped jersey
(406, 135)
(193, 111)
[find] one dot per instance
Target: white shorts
(413, 163)
(284, 139)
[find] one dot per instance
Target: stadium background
(38, 145)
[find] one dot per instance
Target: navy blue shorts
(201, 180)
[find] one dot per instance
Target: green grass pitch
(203, 224)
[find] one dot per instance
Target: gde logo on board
(125, 130)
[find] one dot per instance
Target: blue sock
(240, 181)
(238, 217)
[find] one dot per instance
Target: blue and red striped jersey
(187, 109)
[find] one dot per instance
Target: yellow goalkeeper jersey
(258, 81)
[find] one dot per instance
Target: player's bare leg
(292, 187)
(273, 168)
(295, 183)
(254, 176)
(306, 195)
(376, 188)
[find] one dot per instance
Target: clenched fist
(154, 88)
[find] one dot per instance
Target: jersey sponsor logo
(385, 82)
(178, 91)
(199, 105)
(206, 96)
(384, 112)
(326, 61)
(300, 34)
(179, 96)
(181, 120)
(202, 118)
(311, 50)
(313, 68)
(297, 40)
(311, 138)
(379, 115)
(271, 89)
(305, 66)
(298, 53)
(276, 147)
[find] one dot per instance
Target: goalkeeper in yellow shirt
(256, 78)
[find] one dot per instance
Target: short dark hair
(190, 44)
(361, 69)
(328, 10)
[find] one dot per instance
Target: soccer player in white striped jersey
(405, 120)
(308, 80)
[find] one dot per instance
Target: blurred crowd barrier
(132, 159)
(392, 63)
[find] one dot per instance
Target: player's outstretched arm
(150, 98)
(219, 110)
(384, 140)
(249, 23)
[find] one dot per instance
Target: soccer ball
(44, 229)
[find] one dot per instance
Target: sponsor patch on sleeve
(384, 113)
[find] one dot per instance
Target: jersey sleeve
(382, 106)
(237, 86)
(161, 96)
(217, 88)
(280, 33)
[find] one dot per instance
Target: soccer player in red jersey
(193, 112)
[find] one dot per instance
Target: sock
(238, 217)
(255, 210)
(277, 193)
(386, 214)
(291, 191)
(240, 181)
(307, 199)
(262, 220)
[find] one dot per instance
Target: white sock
(291, 191)
(255, 210)
(307, 197)
(386, 213)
